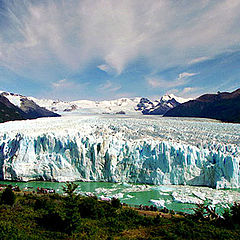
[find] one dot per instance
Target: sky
(108, 49)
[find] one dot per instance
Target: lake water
(178, 198)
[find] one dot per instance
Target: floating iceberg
(149, 150)
(158, 203)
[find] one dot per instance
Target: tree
(71, 211)
(70, 189)
(8, 196)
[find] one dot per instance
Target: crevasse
(103, 153)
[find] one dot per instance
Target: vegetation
(71, 216)
(8, 197)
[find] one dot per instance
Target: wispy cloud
(67, 35)
(106, 68)
(109, 86)
(185, 75)
(67, 89)
(182, 79)
(63, 83)
(199, 59)
(187, 92)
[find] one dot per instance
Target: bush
(116, 203)
(8, 197)
(90, 208)
(235, 211)
(52, 221)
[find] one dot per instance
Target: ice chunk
(158, 203)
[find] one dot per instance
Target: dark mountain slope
(35, 111)
(222, 106)
(9, 112)
(27, 110)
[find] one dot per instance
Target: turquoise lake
(178, 198)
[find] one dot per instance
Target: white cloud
(157, 83)
(66, 89)
(182, 79)
(109, 86)
(199, 59)
(58, 36)
(154, 82)
(106, 68)
(67, 84)
(185, 75)
(62, 84)
(187, 92)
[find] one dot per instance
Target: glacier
(133, 149)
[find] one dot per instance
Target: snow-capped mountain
(129, 106)
(8, 111)
(159, 107)
(17, 107)
(123, 105)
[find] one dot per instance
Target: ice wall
(118, 150)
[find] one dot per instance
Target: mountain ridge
(166, 102)
(18, 107)
(8, 111)
(223, 106)
(135, 105)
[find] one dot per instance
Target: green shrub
(90, 208)
(8, 230)
(116, 203)
(8, 196)
(235, 211)
(53, 221)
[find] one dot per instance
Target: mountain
(34, 111)
(8, 111)
(160, 107)
(131, 106)
(18, 107)
(146, 104)
(126, 105)
(223, 106)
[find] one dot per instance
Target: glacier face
(151, 150)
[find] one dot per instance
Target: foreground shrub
(8, 197)
(116, 203)
(235, 212)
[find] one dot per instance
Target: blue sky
(103, 49)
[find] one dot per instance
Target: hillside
(223, 106)
(35, 111)
(18, 107)
(8, 111)
(28, 215)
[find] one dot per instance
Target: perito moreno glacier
(151, 150)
